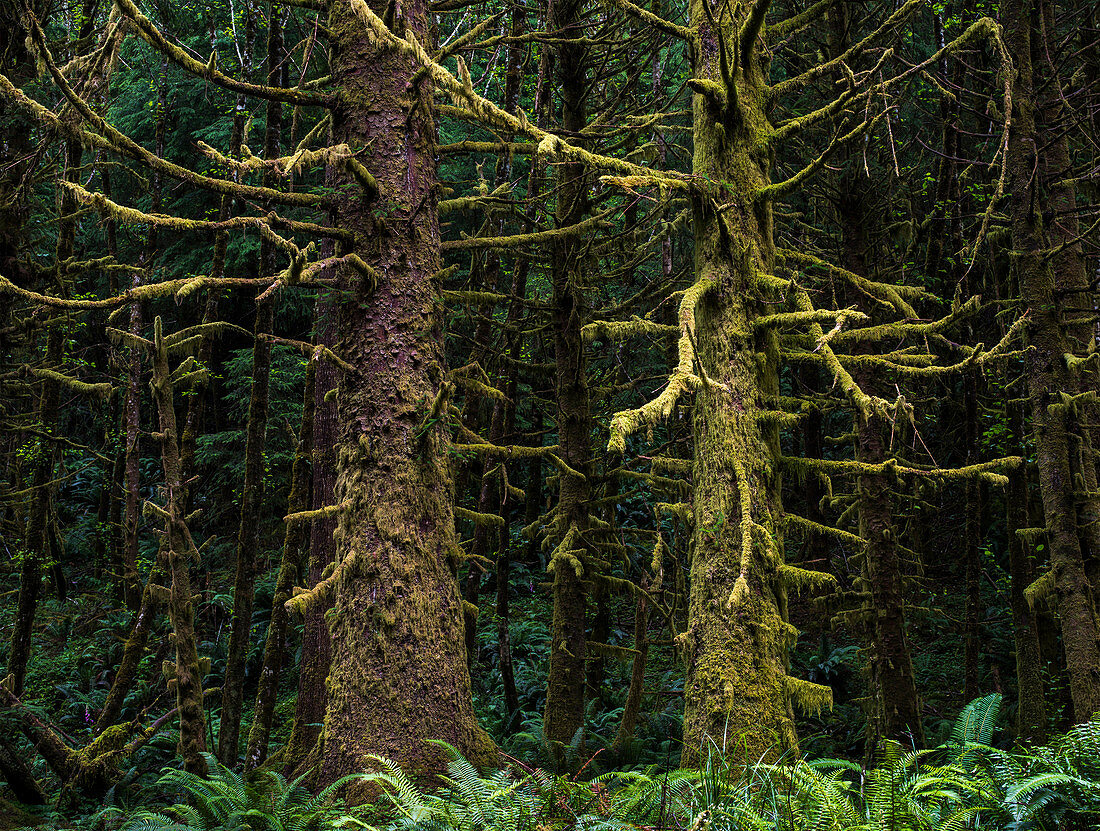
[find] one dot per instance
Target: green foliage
(227, 801)
(977, 721)
(1047, 788)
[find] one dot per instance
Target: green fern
(977, 721)
(227, 801)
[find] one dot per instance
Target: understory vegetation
(965, 783)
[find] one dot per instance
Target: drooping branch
(648, 17)
(784, 28)
(486, 112)
(819, 70)
(152, 35)
(682, 380)
(113, 141)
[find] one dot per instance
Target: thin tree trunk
(1031, 717)
(248, 532)
(896, 706)
(309, 708)
(294, 544)
(975, 611)
(147, 613)
(19, 776)
(181, 552)
(565, 682)
(36, 540)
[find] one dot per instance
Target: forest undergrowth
(965, 783)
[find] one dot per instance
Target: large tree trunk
(1049, 377)
(399, 674)
(736, 695)
(1076, 297)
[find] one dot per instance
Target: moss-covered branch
(824, 68)
(788, 26)
(649, 18)
(113, 141)
(620, 330)
(482, 110)
(986, 471)
(149, 32)
(682, 380)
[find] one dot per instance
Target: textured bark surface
(736, 692)
(565, 682)
(1049, 377)
(399, 674)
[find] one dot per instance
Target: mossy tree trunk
(399, 675)
(1049, 377)
(1073, 289)
(182, 552)
(565, 682)
(736, 696)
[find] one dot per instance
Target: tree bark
(565, 682)
(399, 673)
(1048, 375)
(736, 694)
(294, 543)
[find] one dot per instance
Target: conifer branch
(783, 28)
(682, 380)
(112, 140)
(845, 58)
(648, 17)
(152, 35)
(489, 114)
